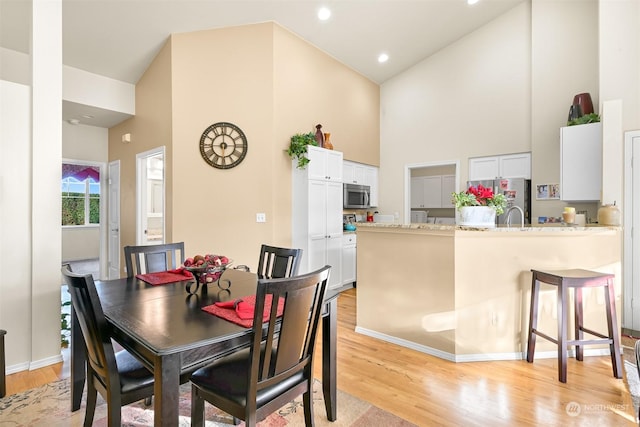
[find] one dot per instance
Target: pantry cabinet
(506, 166)
(317, 213)
(581, 162)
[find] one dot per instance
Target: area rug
(49, 406)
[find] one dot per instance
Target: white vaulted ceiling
(119, 38)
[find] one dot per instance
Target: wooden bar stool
(577, 279)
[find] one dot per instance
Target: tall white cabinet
(581, 162)
(317, 212)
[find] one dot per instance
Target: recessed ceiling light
(74, 121)
(471, 2)
(383, 58)
(324, 13)
(87, 116)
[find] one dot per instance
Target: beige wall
(507, 88)
(559, 71)
(149, 129)
(470, 99)
(271, 84)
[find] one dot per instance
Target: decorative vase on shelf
(327, 141)
(477, 216)
(319, 136)
(585, 103)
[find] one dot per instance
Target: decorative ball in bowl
(207, 268)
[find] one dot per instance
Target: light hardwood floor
(429, 391)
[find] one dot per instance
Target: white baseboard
(479, 357)
(24, 366)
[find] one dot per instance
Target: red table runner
(164, 277)
(240, 311)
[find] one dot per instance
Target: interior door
(113, 182)
(631, 227)
(150, 226)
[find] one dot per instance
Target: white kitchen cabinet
(432, 191)
(371, 179)
(324, 164)
(317, 214)
(353, 173)
(417, 192)
(506, 166)
(359, 173)
(581, 162)
(348, 258)
(448, 187)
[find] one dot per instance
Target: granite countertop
(553, 227)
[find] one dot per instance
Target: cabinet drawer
(349, 239)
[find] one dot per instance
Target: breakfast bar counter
(463, 294)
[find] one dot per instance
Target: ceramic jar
(609, 215)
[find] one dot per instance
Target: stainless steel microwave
(356, 196)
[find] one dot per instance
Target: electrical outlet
(261, 217)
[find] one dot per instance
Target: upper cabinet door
(324, 164)
(448, 187)
(484, 168)
(505, 166)
(581, 162)
(515, 166)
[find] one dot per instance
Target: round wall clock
(223, 145)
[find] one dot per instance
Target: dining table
(166, 328)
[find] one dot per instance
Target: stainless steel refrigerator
(518, 193)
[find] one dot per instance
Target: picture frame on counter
(548, 192)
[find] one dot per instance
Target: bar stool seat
(577, 279)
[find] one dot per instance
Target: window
(80, 189)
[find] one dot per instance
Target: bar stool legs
(577, 279)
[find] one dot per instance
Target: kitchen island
(463, 294)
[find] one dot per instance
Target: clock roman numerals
(223, 145)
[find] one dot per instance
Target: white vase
(477, 216)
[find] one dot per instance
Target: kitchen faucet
(509, 216)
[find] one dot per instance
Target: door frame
(407, 181)
(631, 232)
(108, 263)
(141, 191)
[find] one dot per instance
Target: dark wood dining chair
(119, 377)
(276, 263)
(252, 383)
(153, 258)
(637, 351)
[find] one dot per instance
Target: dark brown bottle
(319, 136)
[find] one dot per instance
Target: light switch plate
(261, 217)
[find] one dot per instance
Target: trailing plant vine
(298, 147)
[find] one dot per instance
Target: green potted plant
(583, 120)
(298, 147)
